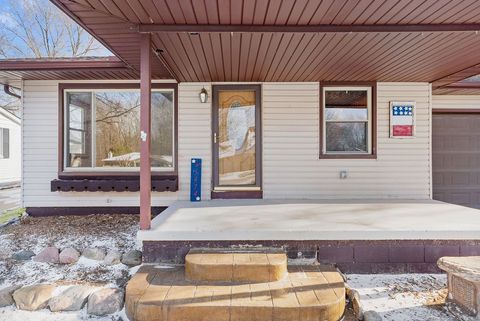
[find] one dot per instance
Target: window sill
(110, 184)
(348, 156)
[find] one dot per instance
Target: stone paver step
(311, 293)
(236, 266)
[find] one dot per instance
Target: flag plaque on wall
(402, 119)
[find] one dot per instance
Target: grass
(11, 214)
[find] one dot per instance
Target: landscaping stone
(94, 253)
(24, 255)
(105, 301)
(357, 305)
(69, 256)
(6, 297)
(371, 316)
(72, 299)
(113, 257)
(33, 297)
(47, 255)
(463, 282)
(132, 258)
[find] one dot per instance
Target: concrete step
(262, 265)
(311, 293)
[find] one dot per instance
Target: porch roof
(246, 220)
(65, 68)
(307, 40)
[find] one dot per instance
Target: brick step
(250, 265)
(311, 293)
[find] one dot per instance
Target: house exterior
(303, 100)
(10, 149)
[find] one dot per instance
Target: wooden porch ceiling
(391, 40)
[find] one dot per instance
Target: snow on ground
(12, 314)
(404, 297)
(109, 232)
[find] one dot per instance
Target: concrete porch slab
(314, 220)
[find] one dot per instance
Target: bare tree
(36, 28)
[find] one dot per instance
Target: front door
(236, 138)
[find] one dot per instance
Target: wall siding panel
(456, 102)
(292, 168)
(40, 150)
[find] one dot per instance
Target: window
(102, 130)
(4, 143)
(347, 121)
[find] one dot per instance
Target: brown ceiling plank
(419, 16)
(318, 15)
(288, 40)
(260, 59)
(253, 53)
(217, 53)
(236, 12)
(260, 12)
(164, 12)
(346, 11)
(448, 10)
(270, 53)
(112, 8)
(387, 6)
(236, 39)
(444, 44)
(176, 11)
(204, 56)
(272, 12)
(212, 11)
(225, 45)
(469, 15)
(360, 16)
(195, 58)
(200, 11)
(335, 9)
(307, 42)
(289, 52)
(297, 11)
(398, 10)
(245, 43)
(152, 10)
(177, 50)
(284, 12)
(224, 11)
(188, 12)
(248, 11)
(170, 55)
(205, 42)
(308, 12)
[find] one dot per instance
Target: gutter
(8, 90)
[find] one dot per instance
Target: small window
(102, 130)
(347, 118)
(4, 143)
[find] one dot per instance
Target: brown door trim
(455, 111)
(258, 137)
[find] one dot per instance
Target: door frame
(246, 191)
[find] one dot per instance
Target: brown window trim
(373, 85)
(455, 111)
(98, 174)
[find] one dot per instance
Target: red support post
(145, 121)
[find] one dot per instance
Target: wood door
(236, 137)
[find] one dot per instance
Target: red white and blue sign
(402, 119)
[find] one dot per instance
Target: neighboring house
(280, 100)
(10, 149)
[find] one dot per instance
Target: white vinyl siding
(10, 169)
(456, 102)
(292, 168)
(291, 164)
(40, 164)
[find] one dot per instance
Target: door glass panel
(236, 138)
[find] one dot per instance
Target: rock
(33, 297)
(24, 255)
(105, 301)
(357, 305)
(72, 299)
(94, 253)
(113, 257)
(371, 316)
(6, 297)
(47, 255)
(69, 256)
(132, 258)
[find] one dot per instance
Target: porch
(249, 220)
(359, 236)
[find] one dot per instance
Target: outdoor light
(203, 95)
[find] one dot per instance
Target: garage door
(456, 158)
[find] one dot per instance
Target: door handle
(214, 138)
